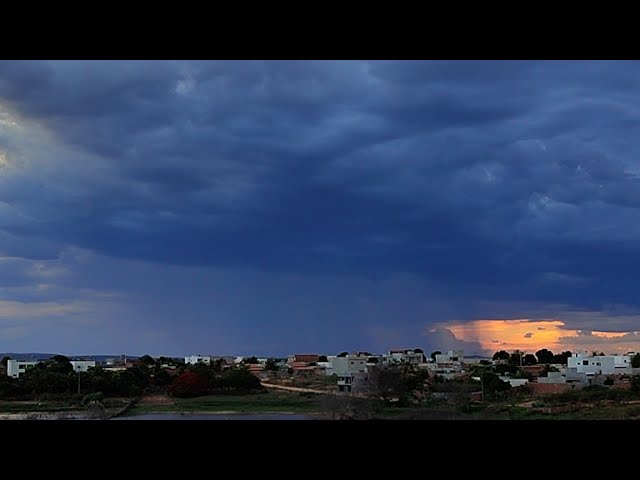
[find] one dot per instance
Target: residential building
(194, 359)
(82, 366)
(16, 367)
(303, 357)
(452, 357)
(599, 364)
(352, 382)
(403, 355)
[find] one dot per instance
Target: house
(352, 382)
(16, 367)
(303, 357)
(599, 364)
(447, 365)
(194, 359)
(534, 370)
(403, 355)
(82, 366)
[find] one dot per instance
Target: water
(215, 416)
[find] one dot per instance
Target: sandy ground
(156, 400)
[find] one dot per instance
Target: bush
(90, 398)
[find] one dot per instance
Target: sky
(276, 207)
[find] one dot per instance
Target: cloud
(512, 182)
(555, 335)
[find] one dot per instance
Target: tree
(387, 384)
(323, 358)
(251, 360)
(635, 361)
(562, 357)
(161, 378)
(501, 355)
(271, 365)
(493, 385)
(433, 354)
(544, 356)
(5, 360)
(635, 383)
(147, 360)
(418, 350)
(240, 380)
(343, 354)
(189, 384)
(529, 359)
(373, 360)
(516, 358)
(609, 381)
(60, 364)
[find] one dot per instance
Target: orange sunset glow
(531, 335)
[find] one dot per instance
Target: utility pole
(79, 373)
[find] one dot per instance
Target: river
(214, 416)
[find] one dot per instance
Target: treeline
(56, 379)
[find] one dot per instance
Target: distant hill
(45, 356)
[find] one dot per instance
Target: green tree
(60, 364)
(493, 386)
(5, 360)
(240, 380)
(323, 358)
(609, 381)
(433, 354)
(251, 360)
(561, 358)
(544, 356)
(147, 360)
(529, 359)
(387, 384)
(161, 378)
(635, 361)
(271, 365)
(343, 354)
(501, 355)
(635, 383)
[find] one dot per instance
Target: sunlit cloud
(516, 334)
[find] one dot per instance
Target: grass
(51, 406)
(270, 402)
(26, 407)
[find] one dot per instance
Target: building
(352, 382)
(403, 355)
(599, 364)
(194, 359)
(16, 367)
(303, 357)
(82, 366)
(452, 357)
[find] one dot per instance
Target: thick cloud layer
(507, 182)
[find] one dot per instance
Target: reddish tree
(189, 384)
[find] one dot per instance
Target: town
(402, 383)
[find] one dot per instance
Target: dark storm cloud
(503, 179)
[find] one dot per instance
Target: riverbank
(274, 402)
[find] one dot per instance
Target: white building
(599, 364)
(402, 356)
(514, 382)
(452, 357)
(82, 365)
(348, 365)
(16, 367)
(194, 359)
